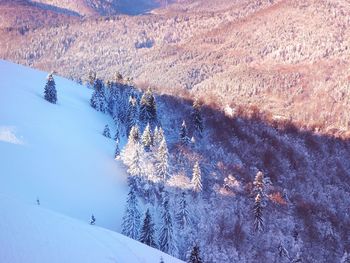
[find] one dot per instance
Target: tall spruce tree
(148, 231)
(50, 93)
(148, 109)
(129, 151)
(117, 150)
(98, 100)
(197, 118)
(167, 241)
(132, 217)
(259, 184)
(135, 167)
(182, 215)
(158, 136)
(106, 131)
(195, 255)
(258, 214)
(185, 140)
(117, 135)
(132, 114)
(147, 138)
(91, 78)
(197, 178)
(162, 161)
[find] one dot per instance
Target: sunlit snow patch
(7, 134)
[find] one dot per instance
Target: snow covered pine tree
(147, 231)
(148, 109)
(50, 93)
(167, 241)
(195, 255)
(106, 132)
(185, 140)
(197, 178)
(197, 118)
(132, 217)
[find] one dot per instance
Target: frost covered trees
(185, 140)
(162, 161)
(50, 93)
(195, 255)
(106, 131)
(258, 215)
(197, 178)
(98, 100)
(132, 217)
(148, 109)
(148, 231)
(197, 118)
(167, 241)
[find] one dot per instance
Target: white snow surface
(57, 153)
(32, 234)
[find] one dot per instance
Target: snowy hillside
(57, 154)
(32, 234)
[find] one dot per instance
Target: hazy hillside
(267, 54)
(103, 7)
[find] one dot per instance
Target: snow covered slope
(57, 153)
(32, 234)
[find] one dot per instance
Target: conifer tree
(132, 217)
(132, 112)
(158, 136)
(134, 135)
(195, 255)
(106, 131)
(50, 93)
(184, 134)
(128, 153)
(258, 214)
(148, 109)
(182, 215)
(161, 164)
(197, 117)
(117, 150)
(259, 184)
(148, 231)
(167, 242)
(197, 178)
(135, 167)
(147, 138)
(116, 135)
(161, 260)
(98, 100)
(91, 78)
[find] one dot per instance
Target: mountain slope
(32, 234)
(57, 152)
(102, 7)
(274, 55)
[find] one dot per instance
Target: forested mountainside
(230, 118)
(240, 188)
(288, 58)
